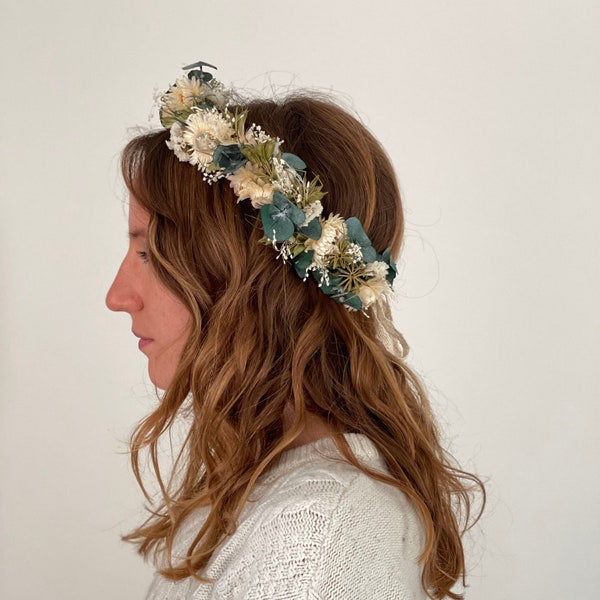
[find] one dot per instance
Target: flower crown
(207, 132)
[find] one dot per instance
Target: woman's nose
(122, 294)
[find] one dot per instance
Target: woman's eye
(143, 255)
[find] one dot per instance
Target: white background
(490, 111)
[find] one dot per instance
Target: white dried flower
(216, 93)
(377, 269)
(312, 211)
(355, 251)
(177, 143)
(246, 184)
(256, 135)
(333, 229)
(370, 291)
(204, 131)
(184, 94)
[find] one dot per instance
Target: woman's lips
(143, 343)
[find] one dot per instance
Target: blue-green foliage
(312, 230)
(294, 161)
(302, 262)
(281, 218)
(229, 158)
(357, 235)
(386, 257)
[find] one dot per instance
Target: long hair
(264, 344)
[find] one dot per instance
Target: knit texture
(315, 528)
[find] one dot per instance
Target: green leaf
(276, 218)
(312, 230)
(287, 209)
(200, 75)
(294, 161)
(386, 257)
(369, 254)
(331, 288)
(283, 230)
(297, 249)
(166, 119)
(356, 232)
(302, 262)
(229, 158)
(353, 301)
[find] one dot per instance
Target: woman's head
(205, 246)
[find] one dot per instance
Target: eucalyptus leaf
(386, 257)
(287, 210)
(356, 232)
(369, 254)
(200, 75)
(229, 158)
(302, 262)
(353, 301)
(284, 229)
(331, 288)
(294, 161)
(312, 230)
(276, 224)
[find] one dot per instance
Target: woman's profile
(260, 264)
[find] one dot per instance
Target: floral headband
(208, 133)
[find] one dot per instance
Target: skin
(159, 318)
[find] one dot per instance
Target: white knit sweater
(316, 528)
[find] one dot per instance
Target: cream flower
(184, 94)
(177, 143)
(332, 230)
(204, 131)
(312, 211)
(246, 184)
(370, 291)
(377, 269)
(216, 93)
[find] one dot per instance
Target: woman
(311, 466)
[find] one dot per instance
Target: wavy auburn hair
(264, 344)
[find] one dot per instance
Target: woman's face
(159, 319)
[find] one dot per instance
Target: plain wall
(490, 112)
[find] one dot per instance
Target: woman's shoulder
(327, 526)
(316, 479)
